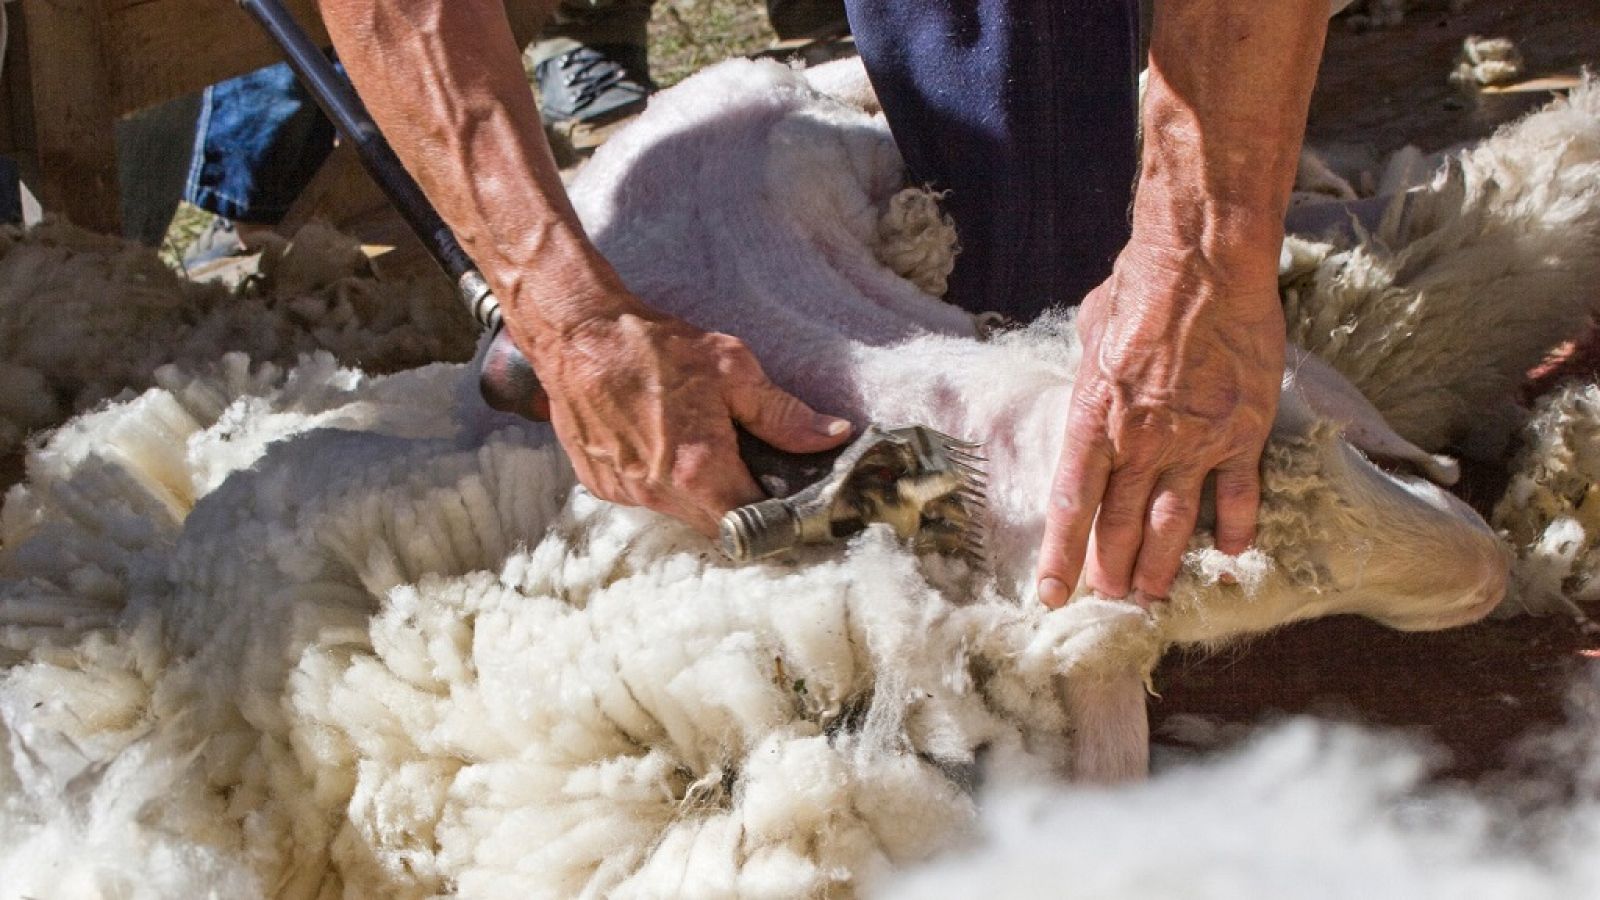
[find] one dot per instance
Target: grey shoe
(218, 240)
(593, 84)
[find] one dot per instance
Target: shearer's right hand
(645, 404)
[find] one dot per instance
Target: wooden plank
(1544, 85)
(73, 133)
(89, 62)
(16, 96)
(166, 48)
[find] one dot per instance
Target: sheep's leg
(1331, 396)
(1111, 741)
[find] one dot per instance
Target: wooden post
(73, 116)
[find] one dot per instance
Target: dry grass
(187, 223)
(688, 35)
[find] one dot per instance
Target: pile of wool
(1300, 809)
(394, 660)
(85, 317)
(312, 632)
(396, 652)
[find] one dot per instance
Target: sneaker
(218, 240)
(223, 238)
(593, 84)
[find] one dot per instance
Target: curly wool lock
(1550, 512)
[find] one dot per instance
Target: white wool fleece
(605, 710)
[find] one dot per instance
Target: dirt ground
(1474, 691)
(1389, 87)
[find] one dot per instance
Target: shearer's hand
(645, 404)
(1179, 382)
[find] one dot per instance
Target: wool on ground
(85, 317)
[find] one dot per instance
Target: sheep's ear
(1314, 390)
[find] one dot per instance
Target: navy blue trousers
(1025, 111)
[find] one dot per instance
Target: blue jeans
(1026, 112)
(259, 140)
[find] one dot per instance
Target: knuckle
(783, 407)
(1117, 520)
(1173, 520)
(1138, 467)
(733, 355)
(695, 468)
(1066, 506)
(1238, 485)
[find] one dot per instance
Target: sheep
(381, 644)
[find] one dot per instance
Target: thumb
(782, 419)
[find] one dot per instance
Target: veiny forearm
(1225, 109)
(444, 81)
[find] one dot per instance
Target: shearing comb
(929, 487)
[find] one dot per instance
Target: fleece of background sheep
(1550, 512)
(1466, 284)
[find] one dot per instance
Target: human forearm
(644, 404)
(444, 82)
(1225, 108)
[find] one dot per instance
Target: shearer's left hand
(1179, 382)
(1183, 345)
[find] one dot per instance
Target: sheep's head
(1337, 534)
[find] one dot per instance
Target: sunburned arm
(644, 404)
(1224, 114)
(1183, 345)
(444, 81)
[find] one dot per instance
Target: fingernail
(830, 426)
(1052, 592)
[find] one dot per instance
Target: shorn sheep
(309, 632)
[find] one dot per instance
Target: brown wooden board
(73, 135)
(16, 95)
(166, 48)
